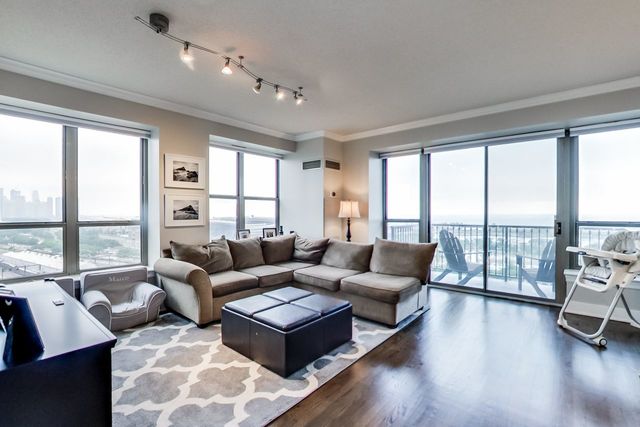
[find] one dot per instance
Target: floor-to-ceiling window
(521, 202)
(402, 212)
(457, 216)
(71, 198)
(491, 207)
(243, 192)
(607, 171)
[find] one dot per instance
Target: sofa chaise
(385, 282)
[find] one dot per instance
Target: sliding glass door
(457, 216)
(492, 212)
(521, 202)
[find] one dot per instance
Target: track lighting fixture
(258, 86)
(160, 25)
(185, 54)
(279, 93)
(226, 70)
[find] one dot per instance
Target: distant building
(17, 208)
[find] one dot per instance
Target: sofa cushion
(294, 265)
(323, 276)
(278, 249)
(212, 257)
(309, 250)
(246, 253)
(270, 275)
(229, 282)
(402, 259)
(380, 287)
(351, 256)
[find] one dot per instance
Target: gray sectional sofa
(385, 282)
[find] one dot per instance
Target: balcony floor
(499, 284)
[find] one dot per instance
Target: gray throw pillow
(278, 249)
(246, 253)
(402, 259)
(352, 256)
(309, 250)
(219, 251)
(212, 258)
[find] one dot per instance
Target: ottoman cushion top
(287, 294)
(252, 305)
(286, 317)
(321, 303)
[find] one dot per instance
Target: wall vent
(330, 164)
(312, 164)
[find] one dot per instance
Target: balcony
(516, 263)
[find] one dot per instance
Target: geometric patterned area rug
(172, 373)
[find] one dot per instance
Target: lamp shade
(349, 209)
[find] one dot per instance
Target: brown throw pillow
(278, 249)
(402, 259)
(309, 250)
(212, 258)
(246, 253)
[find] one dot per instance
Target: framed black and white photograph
(184, 210)
(269, 232)
(243, 234)
(184, 171)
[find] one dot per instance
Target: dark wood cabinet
(70, 383)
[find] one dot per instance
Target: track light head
(258, 86)
(299, 97)
(185, 54)
(279, 93)
(226, 70)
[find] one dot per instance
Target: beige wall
(171, 133)
(301, 203)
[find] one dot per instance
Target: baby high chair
(615, 265)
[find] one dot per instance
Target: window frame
(576, 223)
(421, 221)
(69, 223)
(240, 197)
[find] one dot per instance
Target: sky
(522, 176)
(522, 182)
(259, 181)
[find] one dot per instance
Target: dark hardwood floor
(480, 361)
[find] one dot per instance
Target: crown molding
(91, 86)
(103, 89)
(567, 95)
(319, 134)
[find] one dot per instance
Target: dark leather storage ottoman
(286, 334)
(236, 321)
(286, 338)
(336, 318)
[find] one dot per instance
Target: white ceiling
(365, 64)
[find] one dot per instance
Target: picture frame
(184, 210)
(269, 232)
(243, 233)
(184, 171)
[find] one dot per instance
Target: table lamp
(349, 209)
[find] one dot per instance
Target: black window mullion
(71, 236)
(385, 199)
(240, 222)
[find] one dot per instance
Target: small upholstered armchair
(122, 298)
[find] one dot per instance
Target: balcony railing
(505, 242)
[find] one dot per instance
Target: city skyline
(16, 207)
